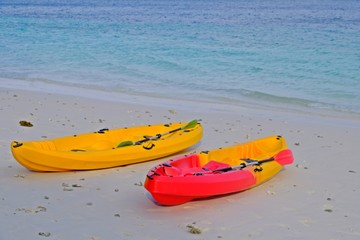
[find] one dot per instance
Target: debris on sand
(24, 123)
(193, 229)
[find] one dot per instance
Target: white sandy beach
(315, 198)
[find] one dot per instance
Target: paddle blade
(284, 157)
(190, 124)
(125, 144)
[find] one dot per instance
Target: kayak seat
(209, 167)
(213, 165)
(172, 171)
(192, 167)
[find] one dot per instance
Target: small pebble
(44, 234)
(270, 192)
(139, 184)
(19, 176)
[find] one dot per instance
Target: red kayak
(217, 172)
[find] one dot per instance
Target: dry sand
(315, 198)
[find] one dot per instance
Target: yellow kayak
(107, 148)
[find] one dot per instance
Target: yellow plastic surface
(260, 149)
(98, 150)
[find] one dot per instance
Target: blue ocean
(298, 54)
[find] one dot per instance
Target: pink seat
(213, 165)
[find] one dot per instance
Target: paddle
(189, 125)
(283, 157)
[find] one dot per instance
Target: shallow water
(298, 54)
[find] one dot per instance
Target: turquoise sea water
(298, 54)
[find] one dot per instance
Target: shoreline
(122, 97)
(316, 196)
